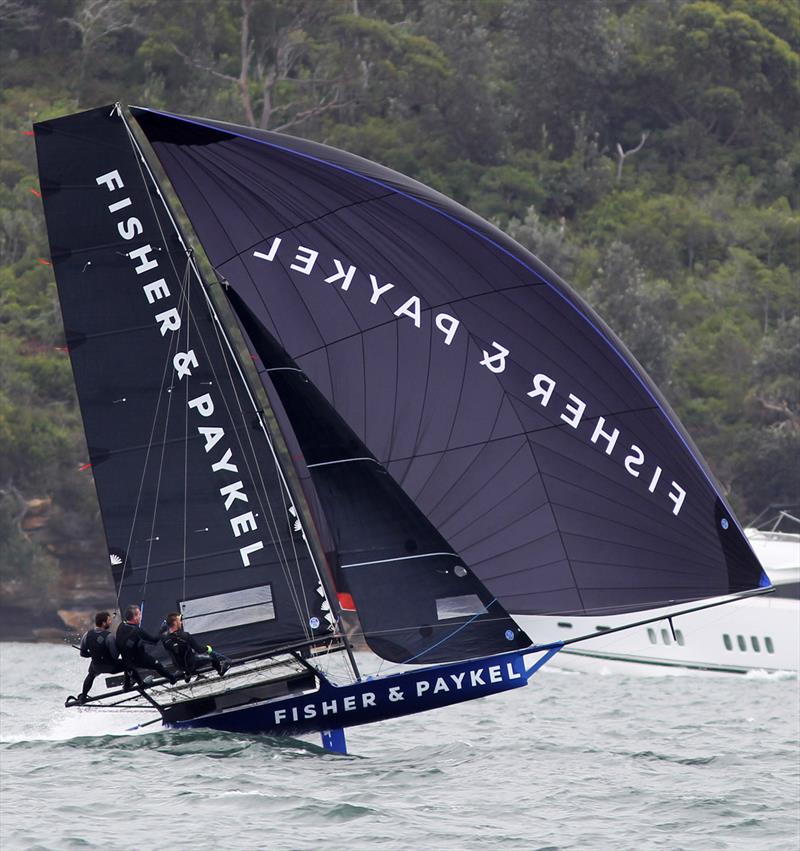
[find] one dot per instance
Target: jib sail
(417, 602)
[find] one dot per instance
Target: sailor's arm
(83, 650)
(148, 638)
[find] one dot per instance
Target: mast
(295, 499)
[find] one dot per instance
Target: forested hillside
(647, 150)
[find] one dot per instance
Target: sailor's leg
(221, 663)
(132, 676)
(88, 682)
(148, 661)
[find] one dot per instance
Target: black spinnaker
(488, 391)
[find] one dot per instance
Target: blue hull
(332, 707)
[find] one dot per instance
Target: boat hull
(330, 706)
(757, 634)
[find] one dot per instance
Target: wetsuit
(98, 645)
(187, 652)
(130, 641)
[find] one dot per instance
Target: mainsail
(476, 379)
(196, 512)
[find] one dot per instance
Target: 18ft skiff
(433, 429)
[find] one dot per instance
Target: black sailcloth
(195, 512)
(501, 404)
(416, 600)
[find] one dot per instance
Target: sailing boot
(220, 663)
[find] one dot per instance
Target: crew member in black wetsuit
(131, 639)
(187, 652)
(98, 645)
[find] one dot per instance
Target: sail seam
(526, 433)
(305, 222)
(206, 158)
(393, 320)
(247, 187)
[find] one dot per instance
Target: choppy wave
(573, 762)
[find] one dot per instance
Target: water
(574, 761)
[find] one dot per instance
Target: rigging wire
(185, 287)
(184, 300)
(273, 529)
(142, 478)
(218, 328)
(152, 535)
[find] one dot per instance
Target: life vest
(129, 641)
(178, 647)
(97, 646)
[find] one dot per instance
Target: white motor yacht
(757, 633)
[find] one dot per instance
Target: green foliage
(641, 309)
(513, 107)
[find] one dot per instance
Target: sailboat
(374, 404)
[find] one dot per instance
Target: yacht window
(741, 642)
(768, 644)
(755, 643)
(665, 637)
(651, 634)
(565, 625)
(727, 641)
(679, 637)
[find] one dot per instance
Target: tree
(558, 60)
(94, 21)
(777, 370)
(641, 310)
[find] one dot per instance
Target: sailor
(187, 652)
(98, 645)
(131, 639)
